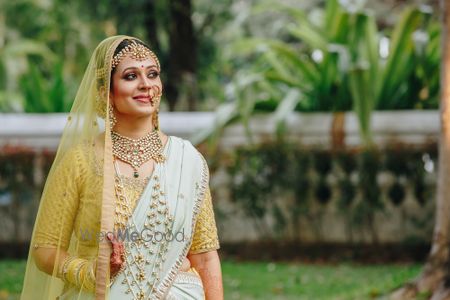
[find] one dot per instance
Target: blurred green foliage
(335, 58)
(252, 56)
(43, 95)
(46, 45)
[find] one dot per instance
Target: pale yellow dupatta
(84, 125)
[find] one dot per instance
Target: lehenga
(174, 199)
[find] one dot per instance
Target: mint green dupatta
(154, 260)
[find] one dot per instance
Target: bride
(126, 211)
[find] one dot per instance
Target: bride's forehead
(129, 62)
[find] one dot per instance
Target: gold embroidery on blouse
(205, 235)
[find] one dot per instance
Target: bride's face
(136, 88)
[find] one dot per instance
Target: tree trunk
(151, 25)
(435, 275)
(182, 59)
(338, 131)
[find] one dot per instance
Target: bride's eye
(153, 74)
(130, 76)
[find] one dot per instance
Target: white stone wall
(414, 128)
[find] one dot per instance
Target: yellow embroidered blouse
(72, 200)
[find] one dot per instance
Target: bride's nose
(145, 83)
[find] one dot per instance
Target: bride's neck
(134, 129)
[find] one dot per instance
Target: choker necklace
(137, 152)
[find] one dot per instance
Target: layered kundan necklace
(137, 152)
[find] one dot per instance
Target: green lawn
(315, 282)
(258, 280)
(11, 278)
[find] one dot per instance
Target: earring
(155, 120)
(112, 117)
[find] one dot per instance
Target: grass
(262, 280)
(315, 282)
(11, 278)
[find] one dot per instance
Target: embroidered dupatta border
(165, 285)
(108, 194)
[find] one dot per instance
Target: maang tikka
(137, 52)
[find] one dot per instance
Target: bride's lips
(143, 98)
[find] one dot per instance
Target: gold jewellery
(137, 152)
(79, 272)
(112, 117)
(135, 51)
(144, 257)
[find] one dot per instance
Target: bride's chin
(145, 112)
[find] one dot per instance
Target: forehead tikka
(135, 51)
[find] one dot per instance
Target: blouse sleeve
(59, 204)
(205, 234)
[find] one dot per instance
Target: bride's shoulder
(187, 146)
(184, 143)
(84, 150)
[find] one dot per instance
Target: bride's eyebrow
(136, 68)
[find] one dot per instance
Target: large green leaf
(363, 101)
(296, 60)
(285, 108)
(57, 91)
(43, 95)
(332, 9)
(400, 61)
(313, 37)
(33, 87)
